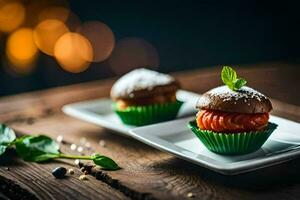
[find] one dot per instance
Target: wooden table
(147, 173)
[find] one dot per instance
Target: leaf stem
(75, 157)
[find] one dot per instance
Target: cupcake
(233, 119)
(144, 97)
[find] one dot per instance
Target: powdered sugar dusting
(140, 79)
(244, 93)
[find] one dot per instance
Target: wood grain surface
(146, 173)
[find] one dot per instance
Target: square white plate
(176, 138)
(100, 111)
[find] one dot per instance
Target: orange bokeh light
(101, 38)
(131, 53)
(73, 52)
(47, 33)
(54, 12)
(39, 10)
(73, 22)
(21, 50)
(12, 15)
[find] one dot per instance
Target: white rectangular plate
(175, 137)
(100, 111)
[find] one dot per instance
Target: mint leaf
(229, 78)
(2, 148)
(105, 162)
(239, 83)
(42, 148)
(37, 148)
(7, 137)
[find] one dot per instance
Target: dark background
(186, 34)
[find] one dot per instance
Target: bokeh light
(131, 53)
(47, 33)
(73, 52)
(12, 15)
(62, 14)
(54, 12)
(73, 22)
(101, 38)
(21, 50)
(39, 10)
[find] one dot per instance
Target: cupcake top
(141, 83)
(234, 96)
(244, 100)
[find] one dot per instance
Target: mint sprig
(230, 78)
(42, 148)
(7, 137)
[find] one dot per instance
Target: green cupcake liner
(148, 114)
(232, 143)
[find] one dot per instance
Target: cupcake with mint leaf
(233, 119)
(144, 97)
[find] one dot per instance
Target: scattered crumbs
(80, 149)
(190, 195)
(85, 172)
(30, 120)
(245, 100)
(235, 102)
(73, 147)
(48, 111)
(83, 177)
(248, 104)
(102, 143)
(59, 138)
(97, 168)
(82, 140)
(88, 145)
(71, 171)
(77, 161)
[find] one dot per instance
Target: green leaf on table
(2, 149)
(37, 148)
(7, 137)
(105, 162)
(230, 78)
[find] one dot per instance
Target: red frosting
(231, 122)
